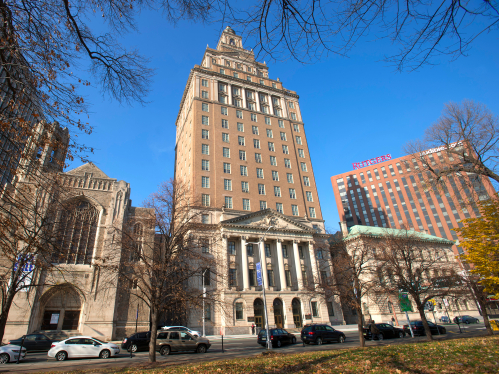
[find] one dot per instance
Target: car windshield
(100, 341)
(263, 332)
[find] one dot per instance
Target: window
(204, 94)
(292, 105)
(251, 106)
(303, 166)
(278, 207)
(306, 181)
(285, 150)
(311, 212)
(239, 114)
(205, 134)
(244, 186)
(283, 136)
(224, 111)
(261, 189)
(263, 205)
(292, 193)
(259, 173)
(205, 218)
(206, 277)
(242, 155)
(228, 202)
(287, 163)
(315, 309)
(249, 249)
(225, 137)
(244, 170)
(267, 121)
(248, 78)
(275, 175)
(232, 277)
(294, 210)
(277, 191)
(239, 306)
(204, 82)
(246, 204)
(330, 308)
(298, 140)
(273, 161)
(293, 116)
(256, 143)
(240, 127)
(270, 275)
(309, 196)
(274, 85)
(225, 124)
(281, 123)
(289, 177)
(205, 182)
(236, 75)
(205, 165)
(205, 107)
(207, 317)
(222, 71)
(296, 128)
(205, 200)
(240, 140)
(254, 130)
(304, 276)
(301, 153)
(284, 250)
(227, 184)
(252, 276)
(300, 252)
(226, 152)
(205, 120)
(267, 250)
(271, 147)
(253, 117)
(226, 168)
(288, 277)
(323, 277)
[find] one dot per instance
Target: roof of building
(359, 230)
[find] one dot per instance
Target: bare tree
(163, 253)
(422, 30)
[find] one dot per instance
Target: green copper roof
(382, 231)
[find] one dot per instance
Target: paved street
(233, 348)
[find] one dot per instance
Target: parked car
(137, 342)
(34, 342)
(177, 341)
(82, 346)
(182, 328)
(10, 353)
(444, 319)
(468, 319)
(278, 337)
(418, 328)
(386, 331)
(318, 334)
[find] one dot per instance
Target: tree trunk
(360, 326)
(154, 330)
(422, 314)
(485, 315)
(5, 311)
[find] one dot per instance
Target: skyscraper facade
(242, 149)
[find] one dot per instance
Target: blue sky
(354, 108)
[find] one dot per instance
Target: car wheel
(467, 322)
(4, 358)
(318, 341)
(61, 356)
(105, 354)
(380, 337)
(201, 348)
(134, 348)
(341, 339)
(401, 334)
(279, 344)
(164, 351)
(293, 341)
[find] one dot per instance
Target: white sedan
(182, 328)
(82, 346)
(10, 353)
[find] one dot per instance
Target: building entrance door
(259, 321)
(258, 312)
(278, 313)
(296, 304)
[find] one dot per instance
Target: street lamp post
(204, 295)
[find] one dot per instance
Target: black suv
(385, 331)
(278, 337)
(138, 342)
(418, 328)
(319, 334)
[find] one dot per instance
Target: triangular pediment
(265, 218)
(88, 168)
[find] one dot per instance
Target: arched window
(137, 242)
(77, 230)
(232, 42)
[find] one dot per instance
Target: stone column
(296, 256)
(245, 100)
(280, 261)
(229, 94)
(244, 263)
(214, 90)
(271, 105)
(284, 108)
(263, 262)
(257, 99)
(313, 262)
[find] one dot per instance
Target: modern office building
(241, 147)
(388, 192)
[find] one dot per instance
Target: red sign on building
(372, 161)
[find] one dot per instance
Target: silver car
(10, 353)
(178, 341)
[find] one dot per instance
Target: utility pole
(204, 295)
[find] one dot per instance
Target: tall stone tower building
(241, 147)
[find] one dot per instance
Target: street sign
(404, 302)
(429, 306)
(259, 273)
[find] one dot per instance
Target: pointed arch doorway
(297, 319)
(278, 313)
(258, 313)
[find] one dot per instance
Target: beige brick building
(241, 146)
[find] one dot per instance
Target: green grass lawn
(473, 355)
